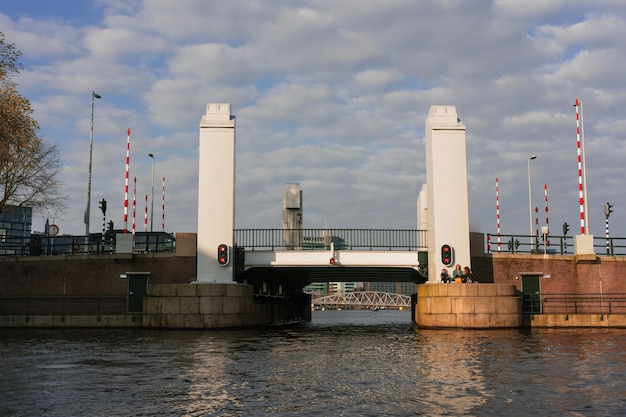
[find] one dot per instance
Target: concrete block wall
(468, 306)
(207, 306)
(575, 320)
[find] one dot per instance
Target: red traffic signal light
(446, 255)
(222, 254)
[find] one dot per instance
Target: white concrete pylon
(447, 197)
(216, 193)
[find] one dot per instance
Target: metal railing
(553, 245)
(553, 303)
(320, 239)
(94, 244)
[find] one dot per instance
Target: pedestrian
(467, 275)
(445, 277)
(457, 274)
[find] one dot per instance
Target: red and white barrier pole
(498, 214)
(581, 197)
(145, 216)
(134, 208)
(545, 193)
(126, 187)
(163, 207)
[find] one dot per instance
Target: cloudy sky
(332, 95)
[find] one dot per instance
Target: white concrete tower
(216, 194)
(446, 179)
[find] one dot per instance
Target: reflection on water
(343, 363)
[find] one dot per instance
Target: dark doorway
(137, 291)
(531, 297)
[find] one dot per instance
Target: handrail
(554, 245)
(95, 244)
(321, 239)
(593, 303)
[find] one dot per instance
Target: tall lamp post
(152, 197)
(94, 96)
(530, 204)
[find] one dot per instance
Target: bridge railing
(592, 303)
(94, 244)
(552, 245)
(321, 239)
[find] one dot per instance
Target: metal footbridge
(363, 299)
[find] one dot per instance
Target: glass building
(15, 227)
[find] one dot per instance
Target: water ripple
(345, 363)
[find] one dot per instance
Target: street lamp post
(530, 204)
(94, 96)
(152, 197)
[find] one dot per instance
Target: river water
(343, 363)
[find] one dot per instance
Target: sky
(332, 95)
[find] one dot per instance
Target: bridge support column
(477, 306)
(216, 193)
(446, 190)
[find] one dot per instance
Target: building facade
(15, 228)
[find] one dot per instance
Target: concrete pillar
(216, 192)
(446, 179)
(292, 216)
(583, 245)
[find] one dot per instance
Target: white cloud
(333, 95)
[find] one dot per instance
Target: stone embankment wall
(88, 291)
(93, 291)
(475, 306)
(213, 306)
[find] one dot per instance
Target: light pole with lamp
(152, 197)
(94, 96)
(530, 204)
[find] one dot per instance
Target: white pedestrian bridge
(363, 299)
(325, 255)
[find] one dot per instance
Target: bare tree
(29, 166)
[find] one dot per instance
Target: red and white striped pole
(498, 214)
(126, 187)
(581, 198)
(545, 192)
(537, 227)
(145, 216)
(134, 208)
(163, 207)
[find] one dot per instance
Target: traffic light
(222, 254)
(446, 255)
(103, 206)
(565, 229)
(110, 225)
(608, 209)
